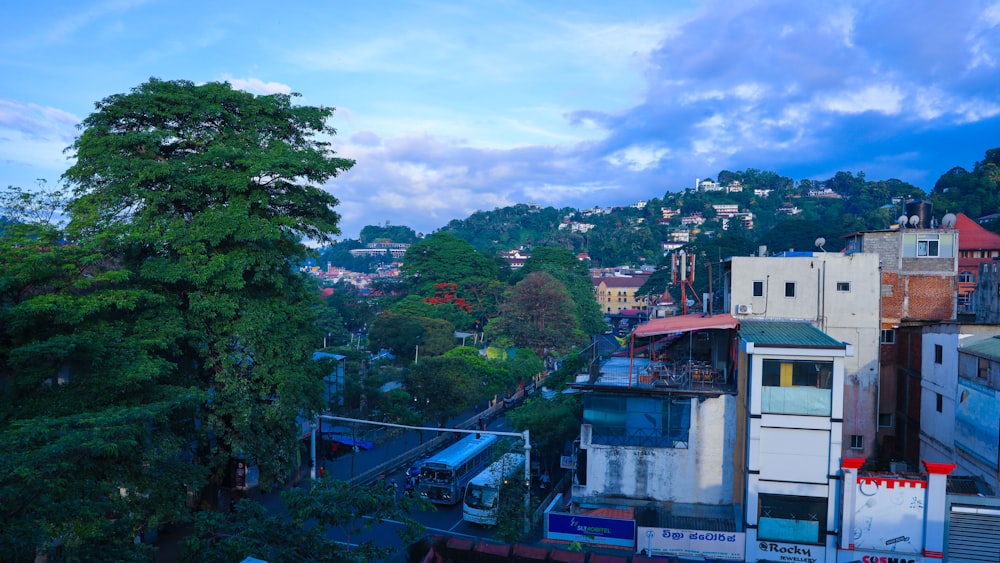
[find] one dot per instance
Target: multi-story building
(791, 382)
(617, 293)
(714, 438)
(918, 267)
(976, 246)
(836, 293)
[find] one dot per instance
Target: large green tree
(206, 194)
(538, 314)
(441, 387)
(444, 258)
(92, 429)
(574, 274)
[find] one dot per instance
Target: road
(396, 453)
(443, 520)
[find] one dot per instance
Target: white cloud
(258, 86)
(883, 98)
(638, 158)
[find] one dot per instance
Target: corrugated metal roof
(685, 323)
(988, 346)
(787, 334)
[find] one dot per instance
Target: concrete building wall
(987, 294)
(699, 474)
(851, 316)
(793, 455)
(937, 425)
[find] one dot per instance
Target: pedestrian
(482, 423)
(544, 480)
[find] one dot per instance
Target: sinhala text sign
(658, 542)
(591, 529)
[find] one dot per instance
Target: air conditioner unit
(744, 309)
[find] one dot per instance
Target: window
(940, 402)
(843, 286)
(984, 369)
(789, 289)
(758, 289)
(966, 277)
(938, 354)
(638, 421)
(888, 336)
(857, 442)
(922, 245)
(885, 420)
(927, 246)
(796, 387)
(793, 519)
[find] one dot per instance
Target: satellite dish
(914, 219)
(901, 220)
(820, 242)
(949, 220)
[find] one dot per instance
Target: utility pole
(523, 435)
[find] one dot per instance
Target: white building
(792, 378)
(838, 294)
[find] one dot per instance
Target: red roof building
(976, 245)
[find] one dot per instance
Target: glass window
(940, 402)
(857, 442)
(758, 289)
(843, 286)
(789, 289)
(888, 336)
(927, 247)
(938, 354)
(796, 387)
(966, 277)
(789, 518)
(885, 420)
(638, 421)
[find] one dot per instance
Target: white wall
(700, 474)
(937, 429)
(853, 316)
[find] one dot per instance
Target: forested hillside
(632, 234)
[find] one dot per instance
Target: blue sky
(452, 107)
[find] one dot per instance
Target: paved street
(445, 520)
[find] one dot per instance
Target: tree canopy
(166, 332)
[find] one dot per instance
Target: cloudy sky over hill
(449, 107)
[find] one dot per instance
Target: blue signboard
(591, 529)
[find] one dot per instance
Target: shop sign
(701, 544)
(791, 553)
(591, 529)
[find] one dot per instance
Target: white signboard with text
(659, 542)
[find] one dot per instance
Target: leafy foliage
(538, 314)
(166, 331)
(552, 423)
(248, 531)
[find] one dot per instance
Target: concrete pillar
(934, 508)
(849, 484)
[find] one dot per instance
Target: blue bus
(444, 475)
(481, 502)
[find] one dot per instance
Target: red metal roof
(686, 323)
(973, 236)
